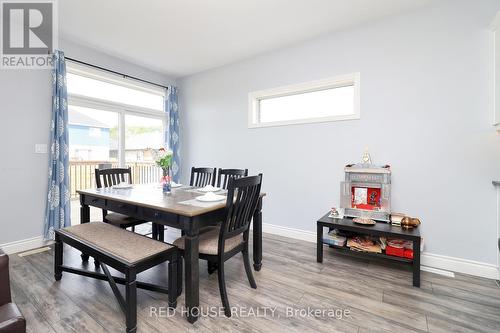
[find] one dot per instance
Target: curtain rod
(117, 73)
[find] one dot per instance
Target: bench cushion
(126, 245)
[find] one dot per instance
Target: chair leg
(222, 287)
(133, 228)
(58, 259)
(211, 267)
(131, 302)
(248, 267)
(172, 282)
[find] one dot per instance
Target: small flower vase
(166, 181)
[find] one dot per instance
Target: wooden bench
(126, 252)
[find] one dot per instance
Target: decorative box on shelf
(399, 248)
(366, 191)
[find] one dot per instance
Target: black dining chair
(201, 177)
(220, 243)
(111, 177)
(223, 176)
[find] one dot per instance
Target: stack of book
(333, 238)
(364, 244)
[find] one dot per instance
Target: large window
(113, 122)
(326, 100)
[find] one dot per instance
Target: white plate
(122, 186)
(209, 188)
(211, 198)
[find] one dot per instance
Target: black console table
(379, 229)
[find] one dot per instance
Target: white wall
(426, 109)
(25, 110)
(91, 56)
(25, 104)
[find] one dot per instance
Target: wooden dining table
(178, 209)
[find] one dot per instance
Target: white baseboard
(305, 235)
(460, 265)
(437, 271)
(24, 245)
(433, 261)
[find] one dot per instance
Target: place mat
(183, 187)
(203, 204)
(198, 190)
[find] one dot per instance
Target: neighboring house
(139, 147)
(89, 139)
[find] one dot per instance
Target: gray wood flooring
(379, 297)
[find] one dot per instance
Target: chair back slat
(224, 175)
(242, 199)
(110, 177)
(201, 177)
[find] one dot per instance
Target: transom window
(326, 100)
(79, 85)
(99, 86)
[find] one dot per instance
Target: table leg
(192, 274)
(319, 243)
(84, 218)
(416, 263)
(329, 229)
(161, 232)
(257, 236)
(154, 231)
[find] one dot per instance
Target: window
(113, 122)
(142, 134)
(326, 100)
(92, 134)
(114, 92)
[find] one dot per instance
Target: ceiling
(183, 37)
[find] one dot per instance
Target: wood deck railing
(82, 173)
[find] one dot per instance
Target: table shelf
(345, 249)
(378, 230)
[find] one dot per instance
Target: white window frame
(120, 108)
(255, 97)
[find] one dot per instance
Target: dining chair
(108, 178)
(220, 243)
(223, 176)
(202, 176)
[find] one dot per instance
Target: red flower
(164, 180)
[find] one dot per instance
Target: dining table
(178, 209)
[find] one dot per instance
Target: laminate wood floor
(367, 297)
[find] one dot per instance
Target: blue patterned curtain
(172, 132)
(57, 211)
